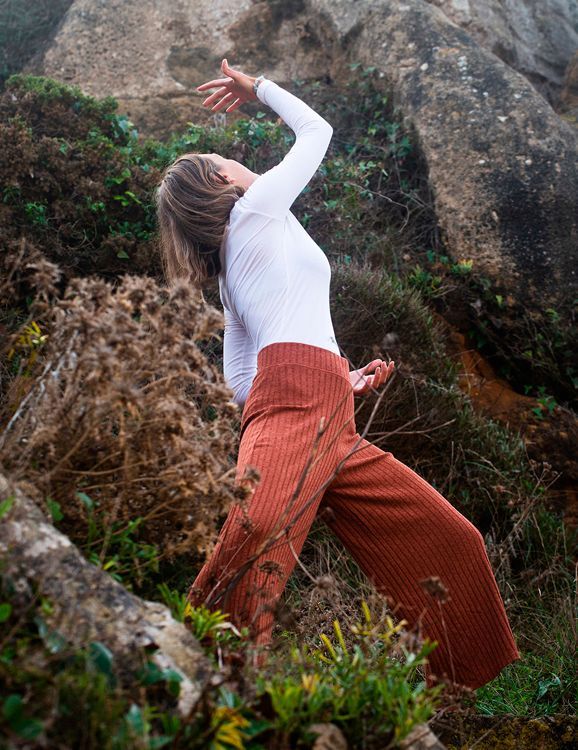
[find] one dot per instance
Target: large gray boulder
(152, 55)
(502, 163)
(149, 55)
(89, 606)
(535, 37)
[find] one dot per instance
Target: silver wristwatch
(256, 83)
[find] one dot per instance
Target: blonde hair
(193, 202)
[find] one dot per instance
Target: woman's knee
(469, 534)
(457, 527)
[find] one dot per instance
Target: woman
(283, 363)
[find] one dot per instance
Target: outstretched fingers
(372, 365)
(214, 82)
(234, 105)
(382, 372)
(386, 371)
(225, 101)
(212, 98)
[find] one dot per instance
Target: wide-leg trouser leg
(295, 387)
(402, 531)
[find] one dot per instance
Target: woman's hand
(362, 382)
(233, 91)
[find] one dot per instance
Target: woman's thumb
(225, 67)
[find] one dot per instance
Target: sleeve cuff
(262, 89)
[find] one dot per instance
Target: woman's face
(235, 172)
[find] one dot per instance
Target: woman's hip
(295, 385)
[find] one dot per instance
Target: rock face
(535, 37)
(569, 95)
(502, 164)
(150, 56)
(87, 604)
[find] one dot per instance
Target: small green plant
(136, 230)
(112, 180)
(96, 207)
(547, 403)
(175, 601)
(214, 624)
(126, 554)
(6, 504)
(17, 716)
(5, 611)
(151, 673)
(459, 268)
(462, 267)
(120, 552)
(554, 315)
(54, 509)
(11, 193)
(36, 213)
(259, 131)
(127, 198)
(426, 282)
(122, 126)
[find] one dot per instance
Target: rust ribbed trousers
(399, 529)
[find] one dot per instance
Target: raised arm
(274, 192)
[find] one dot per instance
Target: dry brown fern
(125, 407)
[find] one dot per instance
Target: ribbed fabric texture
(399, 529)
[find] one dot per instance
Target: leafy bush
(72, 181)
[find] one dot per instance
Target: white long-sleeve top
(274, 281)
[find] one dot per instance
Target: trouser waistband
(285, 352)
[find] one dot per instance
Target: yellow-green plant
(232, 724)
(206, 622)
(30, 340)
(363, 688)
(228, 725)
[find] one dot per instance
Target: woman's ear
(225, 177)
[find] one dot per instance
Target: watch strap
(256, 83)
